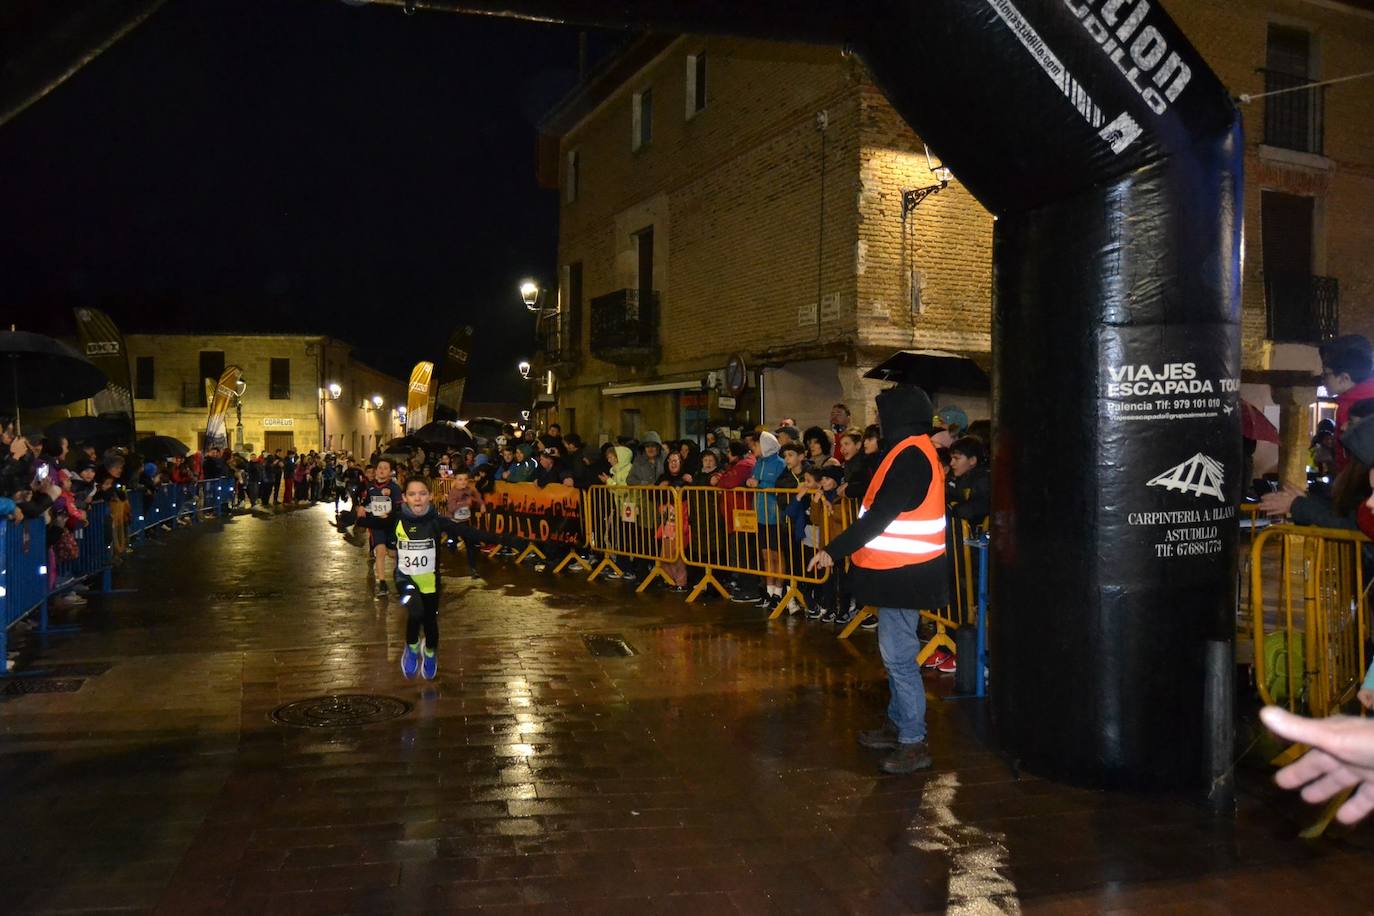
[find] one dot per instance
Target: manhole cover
(607, 645)
(342, 711)
(23, 685)
(79, 669)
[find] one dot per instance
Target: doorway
(273, 441)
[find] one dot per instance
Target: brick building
(722, 196)
(288, 401)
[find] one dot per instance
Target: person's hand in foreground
(821, 560)
(1342, 757)
(1280, 503)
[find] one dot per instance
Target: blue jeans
(898, 643)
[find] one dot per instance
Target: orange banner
(535, 513)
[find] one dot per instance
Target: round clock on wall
(736, 376)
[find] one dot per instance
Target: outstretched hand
(1342, 757)
(821, 560)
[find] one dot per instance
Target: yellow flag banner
(542, 514)
(418, 397)
(216, 436)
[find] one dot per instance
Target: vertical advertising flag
(103, 345)
(418, 396)
(453, 373)
(216, 436)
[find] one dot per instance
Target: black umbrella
(402, 446)
(101, 432)
(932, 370)
(37, 371)
(484, 427)
(160, 448)
(450, 435)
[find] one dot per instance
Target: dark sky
(294, 165)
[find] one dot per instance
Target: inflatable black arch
(1111, 156)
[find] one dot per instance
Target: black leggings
(422, 609)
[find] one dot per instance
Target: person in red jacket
(1348, 373)
(743, 589)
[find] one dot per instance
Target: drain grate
(347, 710)
(25, 685)
(608, 645)
(79, 669)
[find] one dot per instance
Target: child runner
(382, 501)
(463, 503)
(416, 530)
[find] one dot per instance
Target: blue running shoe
(410, 660)
(430, 666)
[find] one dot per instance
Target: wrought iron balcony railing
(625, 327)
(1302, 308)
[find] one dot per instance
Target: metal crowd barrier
(173, 501)
(26, 583)
(753, 531)
(636, 523)
(963, 608)
(1309, 647)
(1316, 624)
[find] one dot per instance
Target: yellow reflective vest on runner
(916, 536)
(417, 554)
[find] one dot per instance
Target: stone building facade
(726, 197)
(287, 402)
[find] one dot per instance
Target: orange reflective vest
(917, 536)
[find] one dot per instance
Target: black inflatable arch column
(1111, 157)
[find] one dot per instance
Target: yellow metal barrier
(963, 607)
(1321, 634)
(641, 523)
(1323, 629)
(757, 532)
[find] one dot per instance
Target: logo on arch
(1199, 475)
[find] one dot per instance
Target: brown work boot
(907, 758)
(882, 738)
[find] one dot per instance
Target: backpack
(1276, 665)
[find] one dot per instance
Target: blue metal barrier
(24, 576)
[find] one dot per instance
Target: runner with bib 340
(417, 532)
(381, 502)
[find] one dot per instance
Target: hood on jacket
(768, 444)
(651, 438)
(624, 462)
(1359, 442)
(904, 410)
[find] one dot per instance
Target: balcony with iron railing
(625, 327)
(1293, 118)
(1302, 308)
(556, 346)
(277, 392)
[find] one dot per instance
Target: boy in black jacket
(416, 530)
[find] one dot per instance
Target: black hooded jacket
(903, 411)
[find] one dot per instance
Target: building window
(1292, 119)
(279, 383)
(573, 321)
(696, 84)
(574, 170)
(144, 386)
(211, 367)
(643, 120)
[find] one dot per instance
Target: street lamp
(523, 368)
(329, 392)
(377, 401)
(531, 295)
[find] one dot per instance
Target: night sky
(294, 166)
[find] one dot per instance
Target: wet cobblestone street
(714, 771)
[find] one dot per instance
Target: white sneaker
(794, 607)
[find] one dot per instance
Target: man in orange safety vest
(896, 550)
